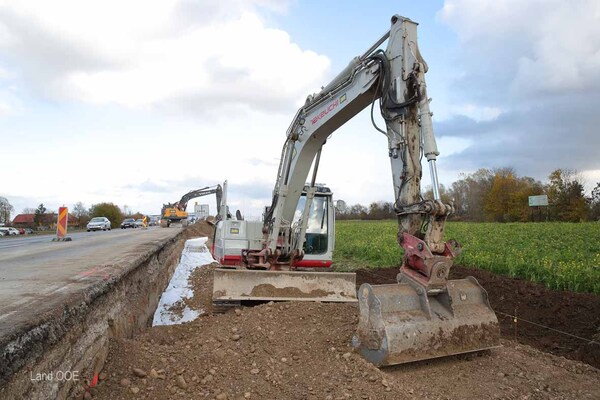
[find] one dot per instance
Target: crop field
(563, 256)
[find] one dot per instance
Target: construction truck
(424, 315)
(176, 212)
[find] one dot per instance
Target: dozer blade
(399, 323)
(239, 285)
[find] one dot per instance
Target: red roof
(24, 219)
(29, 218)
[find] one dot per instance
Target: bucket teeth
(399, 323)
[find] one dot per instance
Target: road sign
(538, 201)
(61, 226)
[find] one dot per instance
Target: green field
(562, 256)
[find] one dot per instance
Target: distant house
(28, 220)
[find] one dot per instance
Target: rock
(284, 360)
(235, 337)
(238, 312)
(181, 382)
(153, 374)
(347, 355)
(172, 360)
(87, 396)
(254, 371)
(102, 376)
(134, 389)
(234, 329)
(173, 390)
(247, 395)
(385, 383)
(180, 371)
(212, 371)
(140, 373)
(222, 396)
(372, 378)
(125, 382)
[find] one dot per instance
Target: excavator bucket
(232, 286)
(399, 323)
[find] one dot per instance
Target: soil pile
(200, 229)
(302, 351)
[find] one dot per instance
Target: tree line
(500, 195)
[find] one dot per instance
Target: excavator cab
(320, 229)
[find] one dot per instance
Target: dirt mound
(201, 282)
(200, 229)
(574, 313)
(272, 351)
(302, 351)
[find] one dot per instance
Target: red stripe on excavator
(313, 263)
(230, 260)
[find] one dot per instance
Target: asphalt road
(37, 274)
(7, 242)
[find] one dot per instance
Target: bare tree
(28, 210)
(5, 210)
(80, 212)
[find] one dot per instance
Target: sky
(139, 102)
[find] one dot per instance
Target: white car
(9, 231)
(98, 223)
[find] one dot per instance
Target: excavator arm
(176, 211)
(425, 315)
(395, 77)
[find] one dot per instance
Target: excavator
(175, 212)
(287, 256)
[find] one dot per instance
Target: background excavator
(424, 315)
(176, 212)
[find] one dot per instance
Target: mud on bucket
(399, 323)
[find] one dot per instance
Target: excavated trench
(63, 353)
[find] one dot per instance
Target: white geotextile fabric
(195, 254)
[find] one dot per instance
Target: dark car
(128, 223)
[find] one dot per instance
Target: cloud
(476, 112)
(197, 55)
(531, 70)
